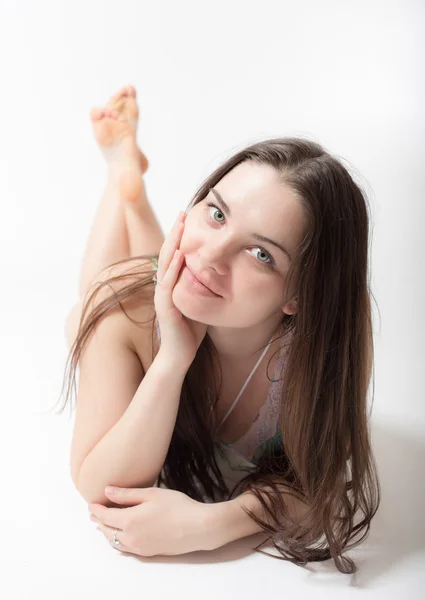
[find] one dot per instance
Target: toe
(96, 114)
(124, 91)
(131, 90)
(109, 112)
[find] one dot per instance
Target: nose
(213, 255)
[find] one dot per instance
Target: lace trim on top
(265, 427)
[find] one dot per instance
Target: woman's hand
(162, 522)
(180, 336)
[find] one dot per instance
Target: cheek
(265, 291)
(252, 302)
(193, 233)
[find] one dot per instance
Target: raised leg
(145, 235)
(124, 224)
(108, 239)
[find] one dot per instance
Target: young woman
(265, 272)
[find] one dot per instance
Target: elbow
(82, 490)
(87, 492)
(85, 488)
(75, 475)
(93, 497)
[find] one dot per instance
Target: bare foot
(115, 128)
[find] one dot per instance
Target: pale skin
(125, 225)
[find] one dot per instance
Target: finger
(109, 516)
(171, 243)
(168, 281)
(170, 276)
(167, 250)
(108, 532)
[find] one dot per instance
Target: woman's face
(248, 273)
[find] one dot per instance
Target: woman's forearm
(227, 521)
(133, 451)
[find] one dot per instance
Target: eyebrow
(226, 209)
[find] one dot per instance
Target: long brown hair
(325, 457)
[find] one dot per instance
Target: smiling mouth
(198, 285)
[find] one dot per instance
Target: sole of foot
(115, 128)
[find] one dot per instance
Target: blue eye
(272, 261)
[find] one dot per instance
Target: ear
(291, 308)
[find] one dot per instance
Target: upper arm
(110, 373)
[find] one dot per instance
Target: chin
(191, 306)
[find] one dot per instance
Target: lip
(202, 282)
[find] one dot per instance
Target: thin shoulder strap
(246, 382)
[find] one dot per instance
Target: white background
(211, 78)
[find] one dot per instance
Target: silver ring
(116, 543)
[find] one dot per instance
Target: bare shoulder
(133, 319)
